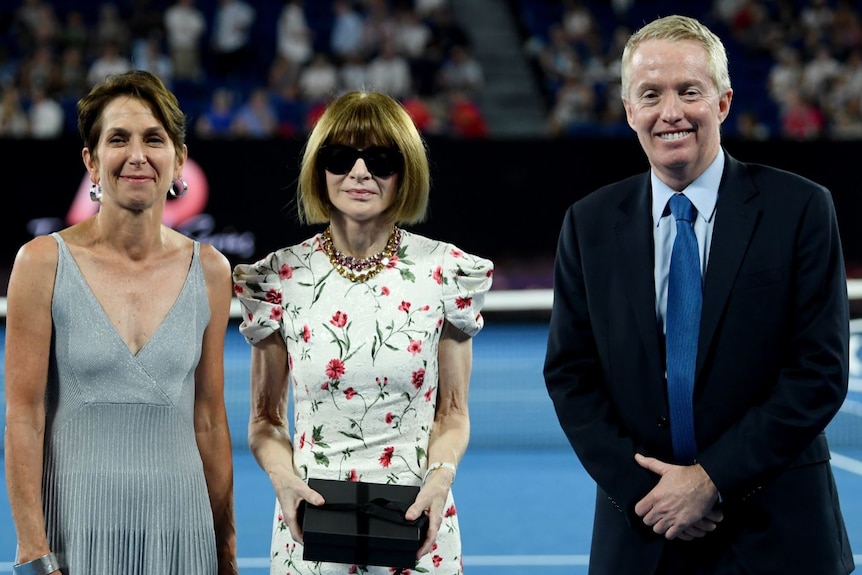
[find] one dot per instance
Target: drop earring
(178, 188)
(96, 192)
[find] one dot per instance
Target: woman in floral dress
(370, 326)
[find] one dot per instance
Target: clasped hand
(682, 504)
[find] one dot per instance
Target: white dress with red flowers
(363, 368)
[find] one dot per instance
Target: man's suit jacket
(772, 368)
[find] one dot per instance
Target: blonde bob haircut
(361, 120)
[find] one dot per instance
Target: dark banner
(500, 199)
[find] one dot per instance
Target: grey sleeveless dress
(124, 490)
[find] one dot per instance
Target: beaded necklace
(360, 269)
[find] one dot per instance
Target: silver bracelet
(439, 465)
(39, 566)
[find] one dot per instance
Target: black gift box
(363, 524)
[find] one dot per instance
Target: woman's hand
(431, 500)
(291, 491)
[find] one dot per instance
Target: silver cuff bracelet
(40, 566)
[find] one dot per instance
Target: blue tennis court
(524, 500)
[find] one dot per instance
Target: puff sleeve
(466, 279)
(258, 288)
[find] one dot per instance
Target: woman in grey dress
(118, 453)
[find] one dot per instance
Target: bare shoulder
(218, 278)
(31, 283)
(219, 283)
(39, 254)
(216, 265)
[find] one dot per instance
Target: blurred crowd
(796, 65)
(265, 69)
(239, 69)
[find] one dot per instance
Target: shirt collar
(702, 192)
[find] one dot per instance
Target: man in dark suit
(756, 495)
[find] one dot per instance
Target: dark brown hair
(139, 84)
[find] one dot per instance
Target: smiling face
(360, 195)
(135, 161)
(675, 108)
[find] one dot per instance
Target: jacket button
(662, 422)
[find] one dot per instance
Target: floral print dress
(363, 369)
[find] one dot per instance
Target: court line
(516, 300)
(529, 560)
(852, 406)
(846, 463)
(469, 560)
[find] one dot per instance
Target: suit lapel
(734, 227)
(735, 221)
(633, 230)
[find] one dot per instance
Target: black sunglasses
(380, 161)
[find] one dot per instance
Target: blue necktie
(682, 324)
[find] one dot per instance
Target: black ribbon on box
(347, 534)
(380, 507)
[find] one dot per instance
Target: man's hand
(682, 505)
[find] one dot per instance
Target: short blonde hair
(676, 29)
(364, 119)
